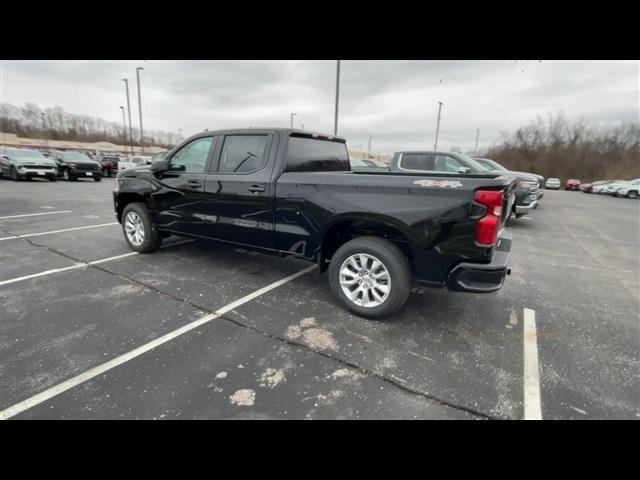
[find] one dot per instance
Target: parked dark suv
(74, 165)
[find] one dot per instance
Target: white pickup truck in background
(133, 162)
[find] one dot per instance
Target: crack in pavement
(359, 368)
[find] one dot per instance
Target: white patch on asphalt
(245, 397)
(307, 322)
(35, 214)
(319, 339)
(271, 378)
(532, 403)
(579, 410)
(221, 375)
(100, 369)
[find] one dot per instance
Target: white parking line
(35, 214)
(81, 265)
(532, 403)
(58, 231)
(100, 369)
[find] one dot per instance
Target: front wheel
(370, 276)
(14, 175)
(138, 229)
(97, 179)
(632, 194)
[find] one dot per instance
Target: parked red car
(572, 184)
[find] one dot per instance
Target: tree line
(54, 123)
(558, 147)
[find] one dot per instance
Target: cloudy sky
(395, 101)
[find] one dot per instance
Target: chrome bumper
(526, 208)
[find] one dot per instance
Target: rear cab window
(316, 154)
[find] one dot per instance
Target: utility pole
(126, 84)
(302, 126)
(477, 136)
(335, 124)
(369, 148)
(124, 125)
(435, 147)
(292, 115)
(140, 107)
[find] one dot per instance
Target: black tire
(14, 175)
(151, 237)
(393, 260)
(632, 194)
(52, 179)
(66, 175)
(97, 179)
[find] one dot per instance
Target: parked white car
(553, 183)
(134, 162)
(629, 190)
(612, 188)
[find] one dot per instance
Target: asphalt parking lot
(197, 330)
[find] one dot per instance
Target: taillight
(489, 225)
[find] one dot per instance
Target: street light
(126, 84)
(140, 107)
(292, 119)
(435, 147)
(124, 125)
(477, 136)
(335, 124)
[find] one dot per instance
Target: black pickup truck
(291, 192)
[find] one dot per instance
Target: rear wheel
(370, 276)
(97, 179)
(632, 194)
(52, 179)
(138, 229)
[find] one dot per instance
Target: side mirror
(464, 170)
(160, 165)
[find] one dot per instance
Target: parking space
(241, 342)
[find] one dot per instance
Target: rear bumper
(483, 277)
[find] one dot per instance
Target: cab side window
(445, 163)
(243, 153)
(192, 158)
(416, 161)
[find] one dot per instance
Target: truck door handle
(256, 188)
(194, 183)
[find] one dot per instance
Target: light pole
(369, 148)
(292, 115)
(302, 126)
(435, 147)
(477, 136)
(140, 107)
(124, 125)
(335, 124)
(126, 84)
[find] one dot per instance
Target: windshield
(473, 163)
(75, 157)
(19, 153)
(491, 165)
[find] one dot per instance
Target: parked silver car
(25, 164)
(553, 184)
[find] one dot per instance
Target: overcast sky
(395, 101)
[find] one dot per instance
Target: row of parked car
(618, 188)
(25, 164)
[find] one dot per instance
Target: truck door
(181, 203)
(239, 189)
